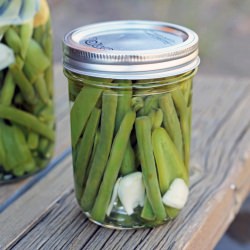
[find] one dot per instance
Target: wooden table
(41, 212)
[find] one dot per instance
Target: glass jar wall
(131, 147)
(27, 123)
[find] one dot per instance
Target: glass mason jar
(27, 123)
(130, 89)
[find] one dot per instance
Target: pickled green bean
(168, 162)
(150, 103)
(143, 134)
(41, 89)
(13, 40)
(27, 120)
(181, 107)
(137, 103)
(31, 67)
(23, 83)
(33, 140)
(87, 98)
(109, 105)
(147, 211)
(113, 166)
(84, 150)
(48, 76)
(128, 163)
(17, 154)
(123, 106)
(156, 117)
(123, 102)
(7, 91)
(26, 31)
(171, 121)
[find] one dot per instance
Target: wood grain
(61, 108)
(220, 173)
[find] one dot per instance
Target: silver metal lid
(131, 50)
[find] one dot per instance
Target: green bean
(13, 40)
(74, 88)
(27, 120)
(168, 162)
(43, 145)
(48, 45)
(87, 98)
(18, 100)
(123, 106)
(128, 163)
(17, 153)
(181, 107)
(96, 142)
(171, 121)
(48, 76)
(46, 113)
(18, 171)
(32, 68)
(137, 103)
(123, 102)
(23, 83)
(49, 150)
(147, 211)
(109, 105)
(84, 150)
(41, 89)
(188, 93)
(7, 91)
(19, 62)
(38, 33)
(26, 31)
(143, 134)
(113, 166)
(156, 117)
(150, 102)
(33, 140)
(172, 212)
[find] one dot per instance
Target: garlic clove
(177, 194)
(131, 192)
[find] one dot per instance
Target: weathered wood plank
(220, 176)
(61, 108)
(35, 204)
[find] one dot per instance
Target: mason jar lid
(131, 50)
